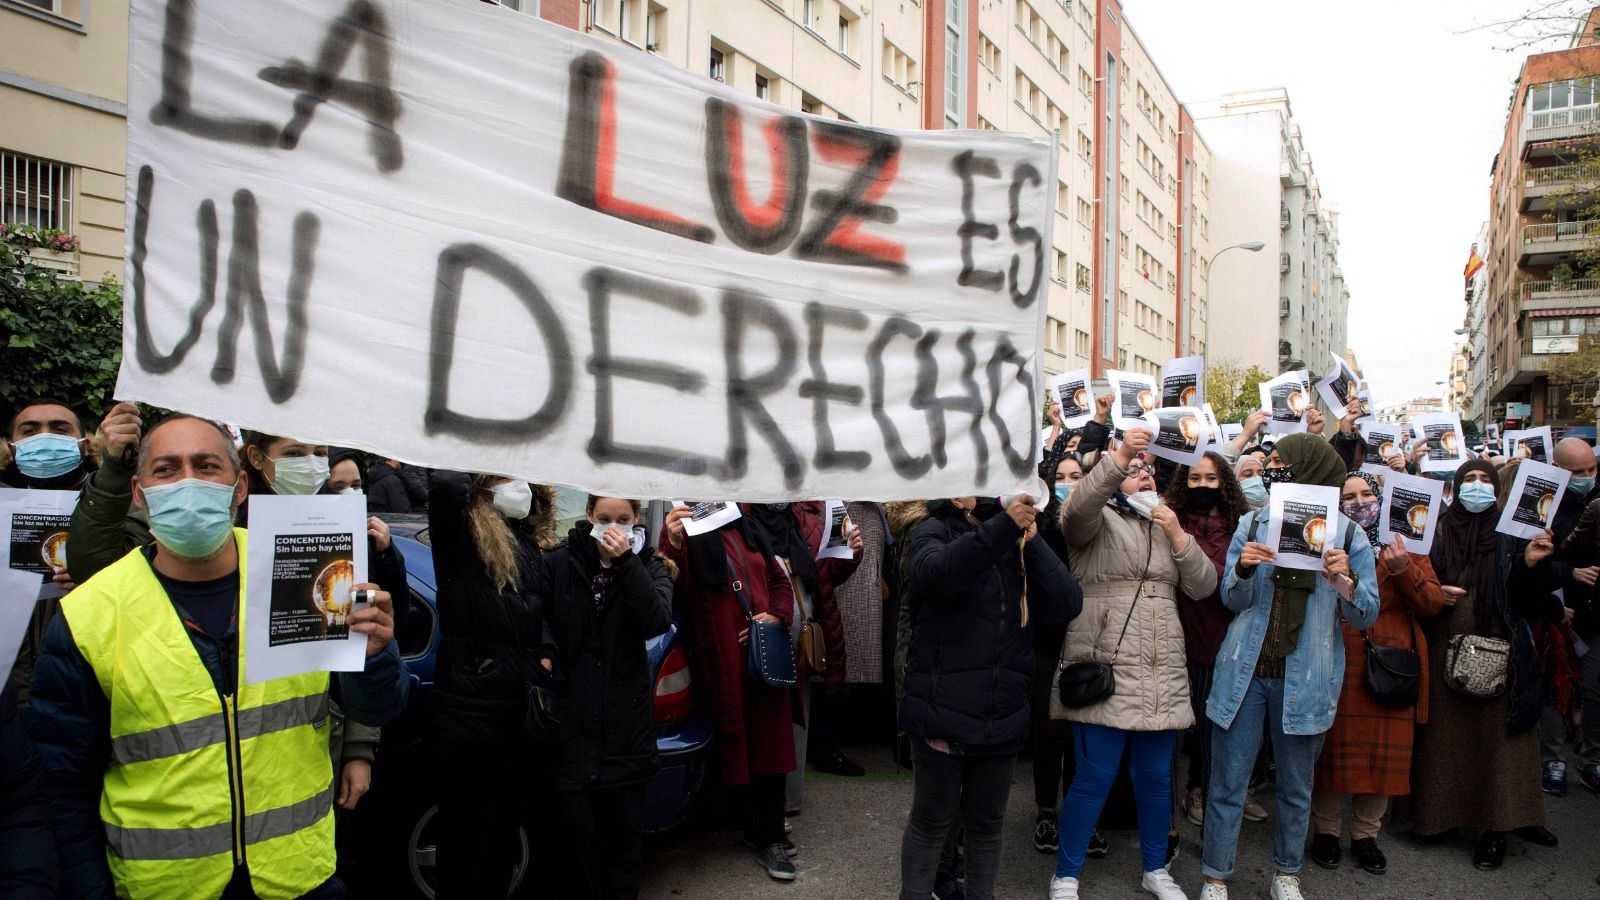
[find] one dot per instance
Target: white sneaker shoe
(1286, 887)
(1213, 891)
(1063, 889)
(1162, 885)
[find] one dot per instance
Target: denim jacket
(1314, 671)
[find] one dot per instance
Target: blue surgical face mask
(47, 455)
(1254, 490)
(191, 517)
(1581, 486)
(1062, 489)
(1476, 496)
(299, 476)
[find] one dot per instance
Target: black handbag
(539, 720)
(1091, 681)
(1394, 674)
(770, 655)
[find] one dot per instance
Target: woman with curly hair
(488, 535)
(1209, 504)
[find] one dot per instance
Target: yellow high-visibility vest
(199, 782)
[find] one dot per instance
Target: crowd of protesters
(1127, 618)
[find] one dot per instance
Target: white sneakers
(1063, 889)
(1286, 887)
(1213, 891)
(1162, 885)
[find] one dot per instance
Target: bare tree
(1539, 22)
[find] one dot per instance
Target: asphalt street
(849, 839)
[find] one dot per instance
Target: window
(718, 70)
(625, 20)
(1080, 343)
(763, 87)
(1085, 147)
(1061, 197)
(809, 104)
(1061, 266)
(653, 24)
(955, 94)
(847, 27)
(1083, 277)
(988, 53)
(1085, 212)
(35, 192)
(1085, 82)
(809, 11)
(898, 67)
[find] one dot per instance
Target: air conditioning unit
(1283, 307)
(1283, 215)
(1283, 262)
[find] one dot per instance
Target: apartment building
(63, 121)
(1537, 304)
(1475, 347)
(1268, 193)
(1456, 391)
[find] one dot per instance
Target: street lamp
(1253, 247)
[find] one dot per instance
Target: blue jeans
(1097, 751)
(1233, 756)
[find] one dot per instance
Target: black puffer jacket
(27, 848)
(603, 694)
(970, 660)
(490, 641)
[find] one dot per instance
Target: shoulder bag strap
(737, 585)
(1150, 545)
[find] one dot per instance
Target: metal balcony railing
(1558, 175)
(1553, 119)
(1570, 286)
(1560, 231)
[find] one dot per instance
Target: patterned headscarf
(1371, 530)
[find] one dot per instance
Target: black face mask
(1204, 499)
(1280, 475)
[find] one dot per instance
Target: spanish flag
(1474, 263)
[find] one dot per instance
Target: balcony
(1291, 175)
(1283, 216)
(1543, 295)
(1559, 124)
(1556, 187)
(1556, 242)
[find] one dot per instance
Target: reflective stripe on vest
(197, 783)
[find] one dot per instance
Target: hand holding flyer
(305, 559)
(1447, 447)
(709, 516)
(1340, 387)
(836, 539)
(1535, 496)
(33, 533)
(1287, 399)
(1134, 396)
(1074, 391)
(1183, 382)
(1304, 523)
(1530, 443)
(1384, 443)
(1410, 510)
(1181, 434)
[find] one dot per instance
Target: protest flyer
(1183, 382)
(709, 516)
(1076, 395)
(1339, 388)
(1303, 519)
(1535, 495)
(1530, 443)
(1181, 434)
(1411, 508)
(1216, 438)
(33, 531)
(1384, 442)
(1135, 395)
(1231, 430)
(1447, 447)
(836, 539)
(305, 557)
(1287, 399)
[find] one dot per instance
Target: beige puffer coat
(1109, 549)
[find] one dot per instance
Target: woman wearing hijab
(1477, 762)
(754, 722)
(1367, 753)
(1209, 506)
(1132, 557)
(1248, 473)
(1280, 668)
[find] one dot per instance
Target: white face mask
(635, 535)
(299, 476)
(351, 490)
(514, 499)
(1144, 502)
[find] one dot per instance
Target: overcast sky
(1402, 108)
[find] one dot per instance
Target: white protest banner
(1302, 518)
(33, 536)
(1530, 443)
(1181, 434)
(1535, 496)
(1384, 442)
(305, 557)
(1183, 381)
(836, 539)
(1339, 388)
(708, 517)
(1411, 508)
(1447, 448)
(1134, 396)
(466, 237)
(1075, 393)
(1287, 399)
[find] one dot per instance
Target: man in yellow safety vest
(169, 776)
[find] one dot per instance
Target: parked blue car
(402, 801)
